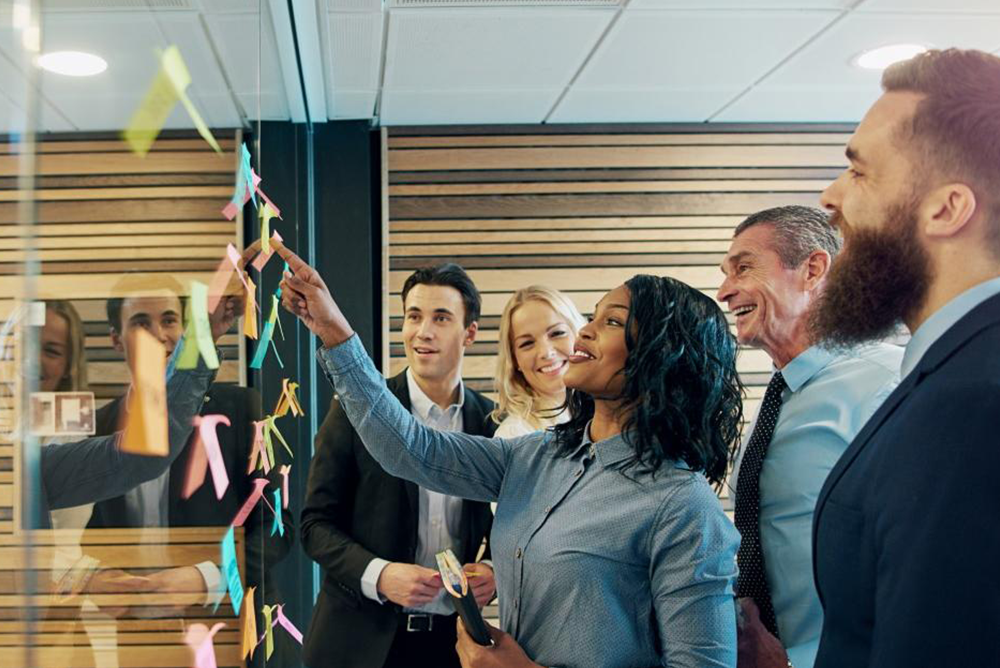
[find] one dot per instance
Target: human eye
(558, 333)
(442, 318)
(524, 345)
(413, 317)
(614, 322)
(855, 174)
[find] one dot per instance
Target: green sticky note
(198, 336)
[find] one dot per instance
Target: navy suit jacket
(906, 535)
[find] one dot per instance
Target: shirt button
(579, 472)
(518, 553)
(547, 509)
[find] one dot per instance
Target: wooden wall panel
(584, 209)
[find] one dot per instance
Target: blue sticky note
(231, 571)
(262, 346)
(277, 527)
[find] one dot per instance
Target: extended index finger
(295, 263)
(249, 252)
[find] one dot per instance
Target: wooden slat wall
(583, 210)
(103, 211)
(60, 638)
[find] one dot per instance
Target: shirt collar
(805, 365)
(422, 404)
(942, 320)
(609, 452)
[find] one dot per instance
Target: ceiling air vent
(116, 5)
(504, 3)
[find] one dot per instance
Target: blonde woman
(537, 333)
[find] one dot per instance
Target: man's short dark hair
(452, 276)
(134, 284)
(798, 231)
(956, 127)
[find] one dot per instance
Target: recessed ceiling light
(884, 56)
(72, 63)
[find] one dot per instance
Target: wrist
(334, 336)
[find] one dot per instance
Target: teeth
(551, 367)
(743, 310)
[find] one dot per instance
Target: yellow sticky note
(249, 622)
(268, 634)
(167, 88)
(288, 401)
(198, 337)
(267, 212)
(250, 312)
(146, 429)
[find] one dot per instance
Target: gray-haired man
(815, 403)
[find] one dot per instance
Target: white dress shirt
(440, 516)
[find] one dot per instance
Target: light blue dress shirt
(594, 569)
(943, 319)
(829, 398)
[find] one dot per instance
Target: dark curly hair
(681, 396)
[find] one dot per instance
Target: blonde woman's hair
(515, 397)
(75, 379)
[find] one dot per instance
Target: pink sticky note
(262, 258)
(207, 426)
(285, 468)
(264, 197)
(287, 624)
(257, 449)
(241, 517)
(234, 259)
(199, 639)
(197, 466)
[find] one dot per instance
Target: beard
(879, 280)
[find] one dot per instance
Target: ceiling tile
(250, 62)
(354, 50)
(489, 49)
(821, 84)
(741, 4)
(469, 106)
(344, 104)
(914, 6)
(639, 106)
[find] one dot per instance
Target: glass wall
(153, 415)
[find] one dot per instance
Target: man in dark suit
(161, 502)
(906, 541)
(382, 603)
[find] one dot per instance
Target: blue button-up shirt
(594, 569)
(943, 319)
(829, 398)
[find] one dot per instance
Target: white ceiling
(482, 61)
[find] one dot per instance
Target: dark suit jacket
(263, 551)
(354, 512)
(906, 536)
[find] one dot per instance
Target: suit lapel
(985, 315)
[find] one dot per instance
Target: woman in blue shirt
(609, 546)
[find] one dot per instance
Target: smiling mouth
(746, 309)
(424, 351)
(553, 369)
(579, 356)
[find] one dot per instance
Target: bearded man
(905, 537)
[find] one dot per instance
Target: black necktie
(753, 579)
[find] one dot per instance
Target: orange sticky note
(250, 311)
(249, 622)
(288, 401)
(146, 428)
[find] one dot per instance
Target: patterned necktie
(753, 580)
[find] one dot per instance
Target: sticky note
(250, 311)
(197, 466)
(199, 638)
(234, 259)
(167, 88)
(287, 625)
(198, 337)
(288, 401)
(271, 427)
(262, 346)
(246, 184)
(267, 212)
(277, 526)
(207, 426)
(249, 622)
(258, 489)
(231, 570)
(283, 471)
(258, 455)
(266, 611)
(262, 257)
(146, 429)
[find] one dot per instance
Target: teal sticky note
(231, 571)
(262, 346)
(277, 527)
